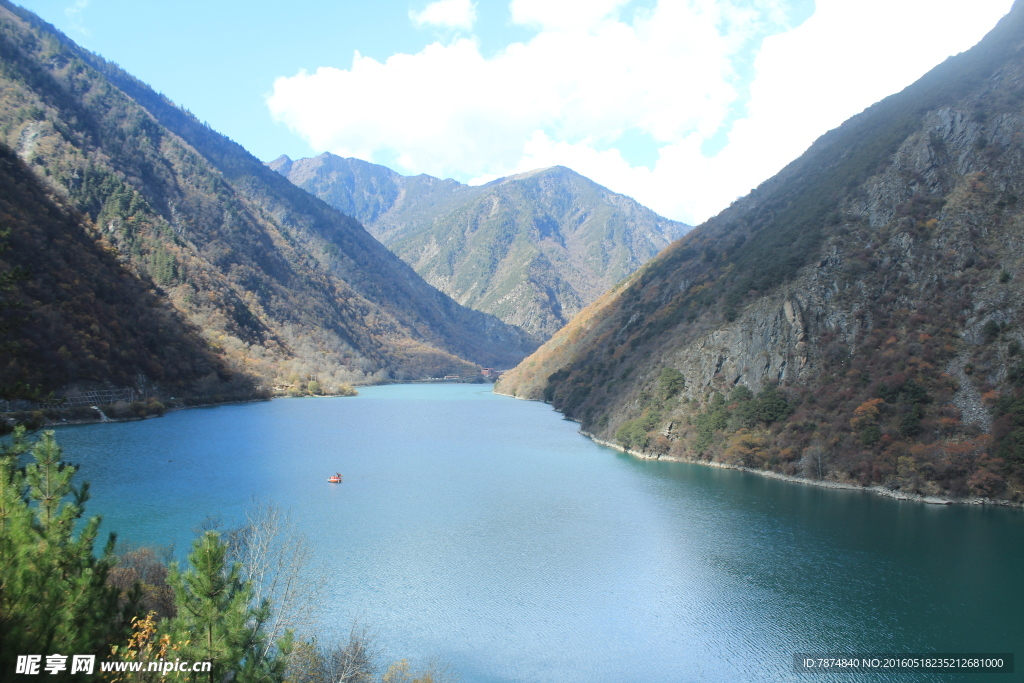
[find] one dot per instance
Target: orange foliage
(144, 646)
(866, 413)
(746, 448)
(948, 425)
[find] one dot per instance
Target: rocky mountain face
(857, 318)
(532, 249)
(283, 287)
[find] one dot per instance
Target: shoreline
(822, 483)
(49, 423)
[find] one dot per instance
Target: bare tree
(433, 672)
(144, 570)
(278, 559)
(351, 661)
(811, 462)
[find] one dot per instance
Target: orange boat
(336, 479)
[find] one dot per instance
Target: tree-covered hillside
(283, 286)
(856, 318)
(532, 249)
(72, 312)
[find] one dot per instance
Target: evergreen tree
(53, 592)
(217, 620)
(55, 598)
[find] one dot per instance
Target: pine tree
(53, 592)
(217, 619)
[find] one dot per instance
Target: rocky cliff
(856, 318)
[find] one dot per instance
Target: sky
(683, 105)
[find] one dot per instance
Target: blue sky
(682, 104)
(219, 58)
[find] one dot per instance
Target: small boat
(336, 479)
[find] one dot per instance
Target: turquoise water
(488, 533)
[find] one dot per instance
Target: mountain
(282, 286)
(857, 318)
(70, 311)
(532, 249)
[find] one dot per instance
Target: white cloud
(74, 14)
(588, 76)
(838, 63)
(449, 13)
(562, 14)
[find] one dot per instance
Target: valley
(790, 433)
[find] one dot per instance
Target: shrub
(670, 383)
(772, 406)
(990, 330)
(910, 425)
(741, 393)
(870, 435)
(707, 423)
(632, 435)
(866, 414)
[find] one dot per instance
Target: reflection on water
(485, 531)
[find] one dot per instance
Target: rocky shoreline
(824, 483)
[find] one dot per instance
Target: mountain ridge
(532, 248)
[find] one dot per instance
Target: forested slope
(283, 286)
(71, 312)
(856, 318)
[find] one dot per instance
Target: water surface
(488, 533)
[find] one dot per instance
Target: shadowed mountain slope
(72, 312)
(856, 318)
(532, 249)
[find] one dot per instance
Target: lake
(488, 533)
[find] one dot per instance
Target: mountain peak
(282, 164)
(533, 247)
(555, 171)
(285, 284)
